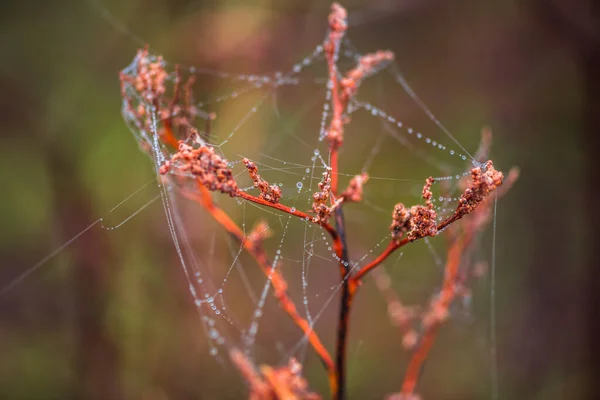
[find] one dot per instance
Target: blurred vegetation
(110, 316)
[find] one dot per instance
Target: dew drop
(299, 184)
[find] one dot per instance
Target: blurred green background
(110, 317)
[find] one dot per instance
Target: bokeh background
(109, 317)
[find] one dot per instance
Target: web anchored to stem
(159, 107)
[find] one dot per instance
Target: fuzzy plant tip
(417, 222)
(269, 383)
(211, 169)
(484, 180)
(270, 193)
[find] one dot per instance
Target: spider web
(233, 302)
(278, 121)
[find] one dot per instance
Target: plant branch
(436, 316)
(277, 281)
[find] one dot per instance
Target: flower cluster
(354, 191)
(416, 222)
(367, 65)
(211, 169)
(320, 207)
(485, 179)
(270, 193)
(150, 78)
(271, 383)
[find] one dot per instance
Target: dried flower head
(321, 198)
(419, 221)
(273, 383)
(287, 382)
(422, 222)
(400, 221)
(270, 193)
(410, 339)
(367, 65)
(354, 191)
(210, 168)
(151, 76)
(485, 179)
(337, 21)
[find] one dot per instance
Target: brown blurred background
(110, 316)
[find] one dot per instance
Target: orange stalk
(277, 281)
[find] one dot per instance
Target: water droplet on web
(452, 152)
(316, 152)
(299, 184)
(307, 170)
(278, 251)
(463, 157)
(213, 351)
(280, 184)
(293, 209)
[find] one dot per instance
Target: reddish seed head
(203, 163)
(354, 191)
(337, 18)
(270, 193)
(418, 221)
(321, 198)
(484, 180)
